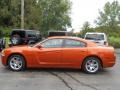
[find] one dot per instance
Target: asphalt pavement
(61, 79)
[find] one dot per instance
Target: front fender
(28, 55)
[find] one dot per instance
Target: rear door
(73, 53)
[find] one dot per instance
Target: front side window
(52, 43)
(74, 43)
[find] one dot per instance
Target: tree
(39, 14)
(110, 15)
(86, 28)
(15, 13)
(32, 14)
(4, 13)
(55, 14)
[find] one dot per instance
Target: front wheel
(16, 62)
(91, 65)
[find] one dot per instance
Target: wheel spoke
(95, 65)
(92, 65)
(15, 63)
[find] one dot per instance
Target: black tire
(2, 47)
(2, 44)
(16, 62)
(91, 65)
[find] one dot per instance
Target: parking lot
(60, 79)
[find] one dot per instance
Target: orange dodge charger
(60, 52)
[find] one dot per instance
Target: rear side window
(74, 43)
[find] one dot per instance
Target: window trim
(74, 40)
(52, 39)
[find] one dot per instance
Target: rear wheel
(91, 65)
(16, 62)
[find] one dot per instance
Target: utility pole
(22, 14)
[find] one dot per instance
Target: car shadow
(47, 71)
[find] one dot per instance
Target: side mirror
(39, 46)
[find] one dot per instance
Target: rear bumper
(109, 62)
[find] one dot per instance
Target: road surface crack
(66, 84)
(84, 84)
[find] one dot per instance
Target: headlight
(2, 53)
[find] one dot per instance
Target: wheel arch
(101, 62)
(17, 54)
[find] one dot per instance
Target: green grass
(114, 41)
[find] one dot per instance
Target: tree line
(42, 15)
(47, 15)
(108, 22)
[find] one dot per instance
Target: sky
(85, 10)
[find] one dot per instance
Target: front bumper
(3, 59)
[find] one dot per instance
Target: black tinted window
(56, 34)
(74, 43)
(17, 32)
(30, 33)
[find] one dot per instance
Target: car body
(60, 52)
(20, 37)
(97, 37)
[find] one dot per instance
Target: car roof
(67, 37)
(95, 33)
(89, 43)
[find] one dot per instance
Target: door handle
(83, 50)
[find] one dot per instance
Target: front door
(50, 53)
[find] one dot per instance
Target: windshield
(94, 37)
(38, 43)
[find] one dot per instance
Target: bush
(114, 41)
(5, 31)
